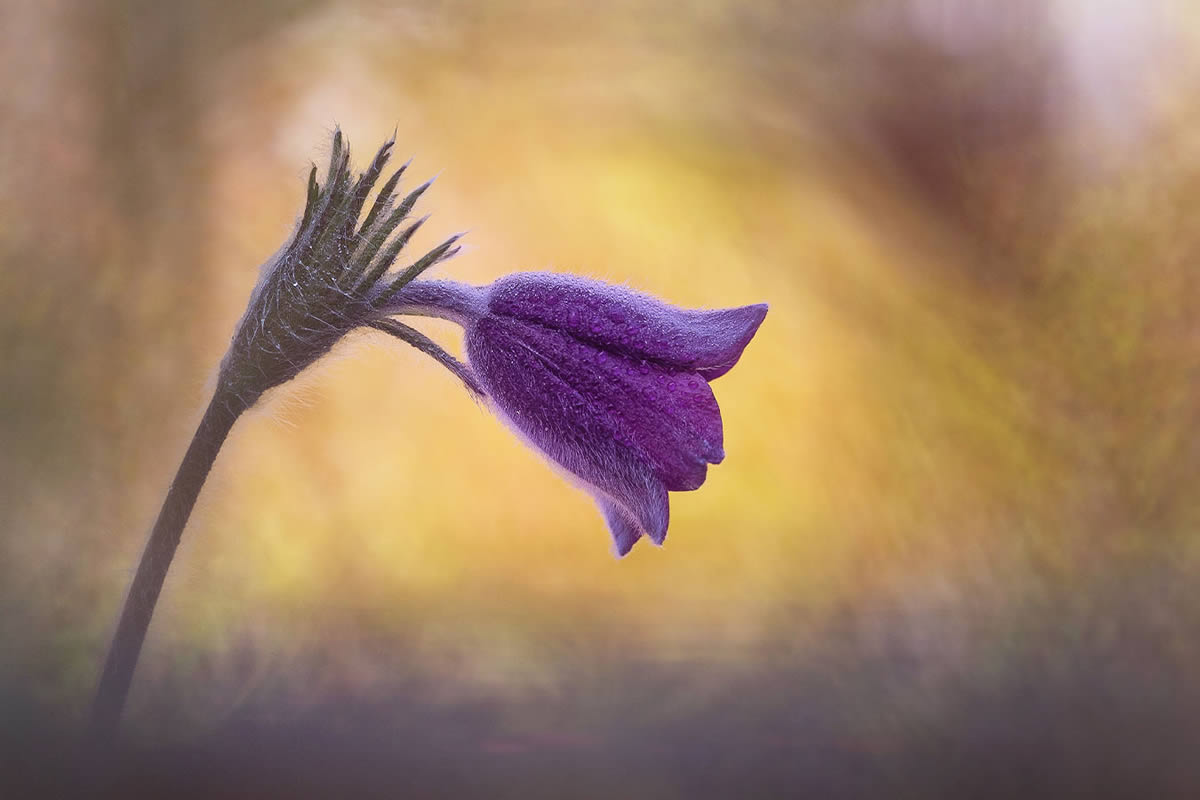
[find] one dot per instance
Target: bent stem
(223, 410)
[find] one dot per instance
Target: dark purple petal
(625, 532)
(620, 320)
(731, 329)
(536, 379)
(667, 420)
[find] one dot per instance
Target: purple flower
(609, 384)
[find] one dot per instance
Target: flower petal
(729, 330)
(672, 418)
(620, 320)
(669, 421)
(625, 532)
(535, 383)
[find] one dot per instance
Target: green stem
(109, 702)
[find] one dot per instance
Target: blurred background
(953, 550)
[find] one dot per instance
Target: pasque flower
(609, 384)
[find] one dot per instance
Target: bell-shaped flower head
(609, 384)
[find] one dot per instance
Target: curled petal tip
(624, 531)
(732, 329)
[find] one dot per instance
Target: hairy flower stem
(325, 282)
(222, 412)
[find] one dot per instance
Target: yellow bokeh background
(958, 451)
